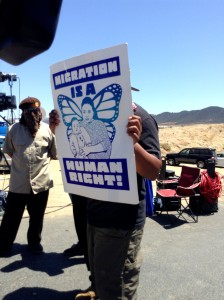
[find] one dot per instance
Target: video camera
(7, 76)
(7, 102)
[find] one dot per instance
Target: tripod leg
(2, 157)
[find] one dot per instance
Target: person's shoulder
(140, 110)
(45, 129)
(44, 125)
(14, 126)
(144, 114)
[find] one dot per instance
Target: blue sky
(175, 48)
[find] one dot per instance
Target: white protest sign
(92, 94)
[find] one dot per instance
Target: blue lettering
(108, 174)
(93, 71)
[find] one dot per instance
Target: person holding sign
(114, 230)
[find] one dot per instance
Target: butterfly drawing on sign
(96, 116)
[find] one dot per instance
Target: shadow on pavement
(168, 221)
(50, 263)
(36, 293)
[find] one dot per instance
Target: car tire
(171, 162)
(201, 164)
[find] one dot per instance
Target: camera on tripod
(7, 76)
(7, 102)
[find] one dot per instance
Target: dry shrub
(165, 146)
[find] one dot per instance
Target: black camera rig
(7, 102)
(7, 76)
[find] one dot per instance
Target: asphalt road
(181, 262)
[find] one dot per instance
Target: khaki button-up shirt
(30, 168)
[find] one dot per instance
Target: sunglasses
(31, 109)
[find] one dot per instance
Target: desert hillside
(208, 115)
(175, 138)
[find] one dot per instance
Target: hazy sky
(175, 47)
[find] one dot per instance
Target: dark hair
(73, 119)
(88, 100)
(31, 121)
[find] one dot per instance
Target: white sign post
(92, 94)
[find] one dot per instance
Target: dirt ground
(59, 202)
(175, 138)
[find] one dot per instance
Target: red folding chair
(177, 199)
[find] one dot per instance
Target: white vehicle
(220, 159)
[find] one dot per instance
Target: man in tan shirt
(31, 144)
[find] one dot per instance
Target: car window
(184, 151)
(194, 151)
(204, 151)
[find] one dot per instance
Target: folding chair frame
(180, 195)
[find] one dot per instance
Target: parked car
(198, 156)
(220, 159)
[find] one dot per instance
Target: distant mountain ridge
(208, 115)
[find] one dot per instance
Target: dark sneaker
(36, 249)
(88, 294)
(74, 250)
